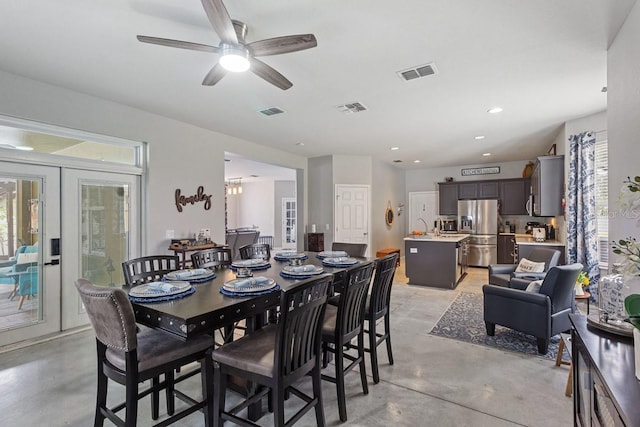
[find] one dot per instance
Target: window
(602, 201)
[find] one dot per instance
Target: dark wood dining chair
(138, 271)
(211, 258)
(377, 307)
(129, 355)
(343, 323)
(276, 357)
(353, 249)
(256, 251)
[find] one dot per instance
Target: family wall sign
(196, 198)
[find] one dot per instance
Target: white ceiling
(543, 61)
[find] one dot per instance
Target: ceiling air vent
(271, 111)
(354, 107)
(417, 72)
(397, 161)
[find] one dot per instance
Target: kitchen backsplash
(521, 221)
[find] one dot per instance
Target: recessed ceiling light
(486, 154)
(300, 144)
(495, 110)
(24, 148)
(416, 161)
(479, 137)
(394, 148)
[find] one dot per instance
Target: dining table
(207, 309)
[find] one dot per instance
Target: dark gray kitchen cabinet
(467, 190)
(507, 249)
(448, 198)
(488, 189)
(514, 194)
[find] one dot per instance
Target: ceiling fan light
(234, 58)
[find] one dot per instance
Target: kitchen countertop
(443, 238)
(528, 240)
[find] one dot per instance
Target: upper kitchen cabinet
(488, 189)
(547, 186)
(514, 194)
(467, 190)
(448, 198)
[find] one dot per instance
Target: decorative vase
(611, 294)
(636, 350)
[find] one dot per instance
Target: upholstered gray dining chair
(129, 355)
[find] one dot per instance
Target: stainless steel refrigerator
(480, 219)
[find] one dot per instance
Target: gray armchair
(505, 274)
(542, 314)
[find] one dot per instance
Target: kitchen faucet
(426, 227)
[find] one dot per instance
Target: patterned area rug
(463, 321)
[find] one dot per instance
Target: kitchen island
(438, 261)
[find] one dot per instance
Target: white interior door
(352, 214)
(30, 272)
(423, 210)
(100, 231)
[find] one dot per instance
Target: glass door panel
(29, 288)
(104, 227)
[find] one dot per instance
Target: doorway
(289, 223)
(352, 214)
(30, 272)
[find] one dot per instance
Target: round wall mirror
(388, 216)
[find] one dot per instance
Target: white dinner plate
(230, 286)
(176, 276)
(290, 255)
(340, 261)
(250, 263)
(159, 289)
(290, 269)
(332, 254)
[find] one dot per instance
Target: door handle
(53, 262)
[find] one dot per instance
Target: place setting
(192, 275)
(331, 254)
(341, 261)
(289, 255)
(246, 285)
(298, 270)
(160, 291)
(253, 264)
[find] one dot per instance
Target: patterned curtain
(582, 233)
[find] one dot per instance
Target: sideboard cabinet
(605, 389)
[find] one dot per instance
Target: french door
(289, 229)
(44, 249)
(29, 233)
(100, 224)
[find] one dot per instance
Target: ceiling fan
(235, 54)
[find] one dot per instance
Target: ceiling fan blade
(284, 44)
(267, 73)
(178, 43)
(220, 20)
(214, 76)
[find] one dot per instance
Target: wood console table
(182, 250)
(605, 389)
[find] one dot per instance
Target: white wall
(388, 186)
(623, 83)
(180, 155)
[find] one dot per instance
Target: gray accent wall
(388, 184)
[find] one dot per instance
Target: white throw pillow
(27, 257)
(534, 286)
(526, 266)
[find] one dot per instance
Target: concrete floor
(434, 381)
